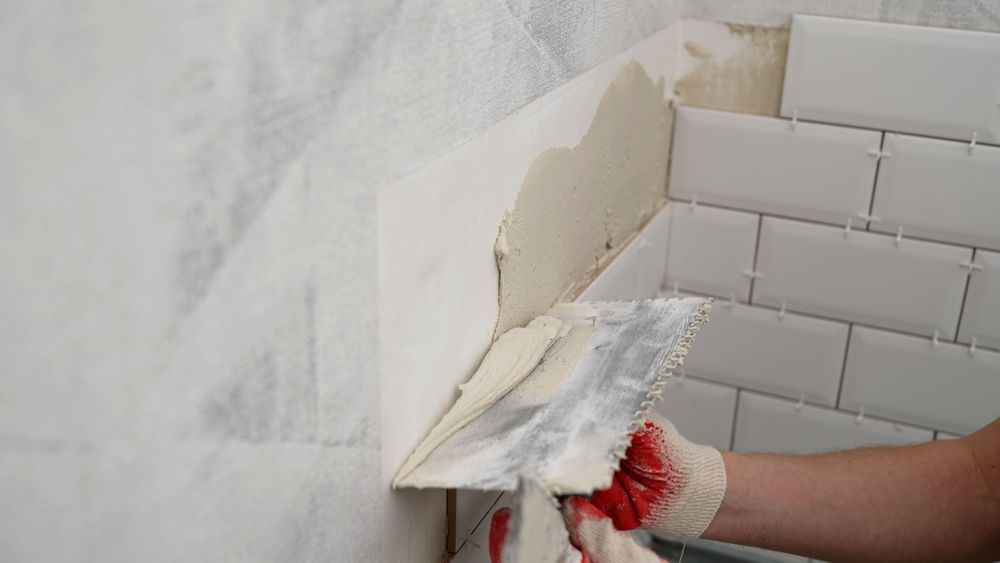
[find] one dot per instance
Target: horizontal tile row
(926, 188)
(907, 285)
(943, 386)
(768, 424)
(810, 171)
(703, 412)
(754, 348)
(928, 81)
(939, 190)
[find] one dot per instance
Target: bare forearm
(934, 501)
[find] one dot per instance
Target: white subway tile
(768, 424)
(913, 286)
(703, 412)
(904, 378)
(928, 81)
(981, 319)
(757, 349)
(819, 172)
(939, 190)
(711, 250)
(637, 271)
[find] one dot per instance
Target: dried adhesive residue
(576, 204)
(747, 79)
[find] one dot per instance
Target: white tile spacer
(972, 347)
(868, 217)
(972, 143)
(782, 311)
(795, 119)
(861, 415)
(801, 403)
(643, 244)
(934, 339)
(878, 154)
(970, 266)
(753, 274)
(899, 236)
(847, 228)
(732, 300)
(693, 203)
(682, 377)
(677, 288)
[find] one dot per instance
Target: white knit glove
(665, 483)
(593, 537)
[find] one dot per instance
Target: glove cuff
(701, 484)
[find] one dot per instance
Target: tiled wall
(854, 257)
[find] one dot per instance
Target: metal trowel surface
(558, 401)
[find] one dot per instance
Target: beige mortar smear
(748, 81)
(576, 204)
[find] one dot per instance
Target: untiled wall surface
(188, 339)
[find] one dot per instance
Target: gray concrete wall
(187, 219)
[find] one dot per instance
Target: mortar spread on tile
(577, 204)
(511, 358)
(736, 67)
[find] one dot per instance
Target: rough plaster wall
(187, 239)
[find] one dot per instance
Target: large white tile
(637, 271)
(711, 250)
(768, 424)
(906, 378)
(811, 171)
(790, 355)
(929, 81)
(913, 286)
(703, 412)
(981, 319)
(939, 190)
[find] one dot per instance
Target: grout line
(876, 130)
(756, 253)
(878, 167)
(843, 365)
(965, 295)
(736, 415)
(825, 224)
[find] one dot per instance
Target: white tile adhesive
(558, 409)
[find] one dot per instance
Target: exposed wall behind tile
(187, 241)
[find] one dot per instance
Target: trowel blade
(571, 437)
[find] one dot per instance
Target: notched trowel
(558, 399)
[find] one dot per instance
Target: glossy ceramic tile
(755, 348)
(906, 378)
(711, 250)
(909, 285)
(809, 171)
(768, 424)
(939, 190)
(703, 412)
(981, 318)
(928, 81)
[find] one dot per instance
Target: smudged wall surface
(188, 253)
(732, 67)
(576, 204)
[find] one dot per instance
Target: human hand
(591, 533)
(666, 483)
